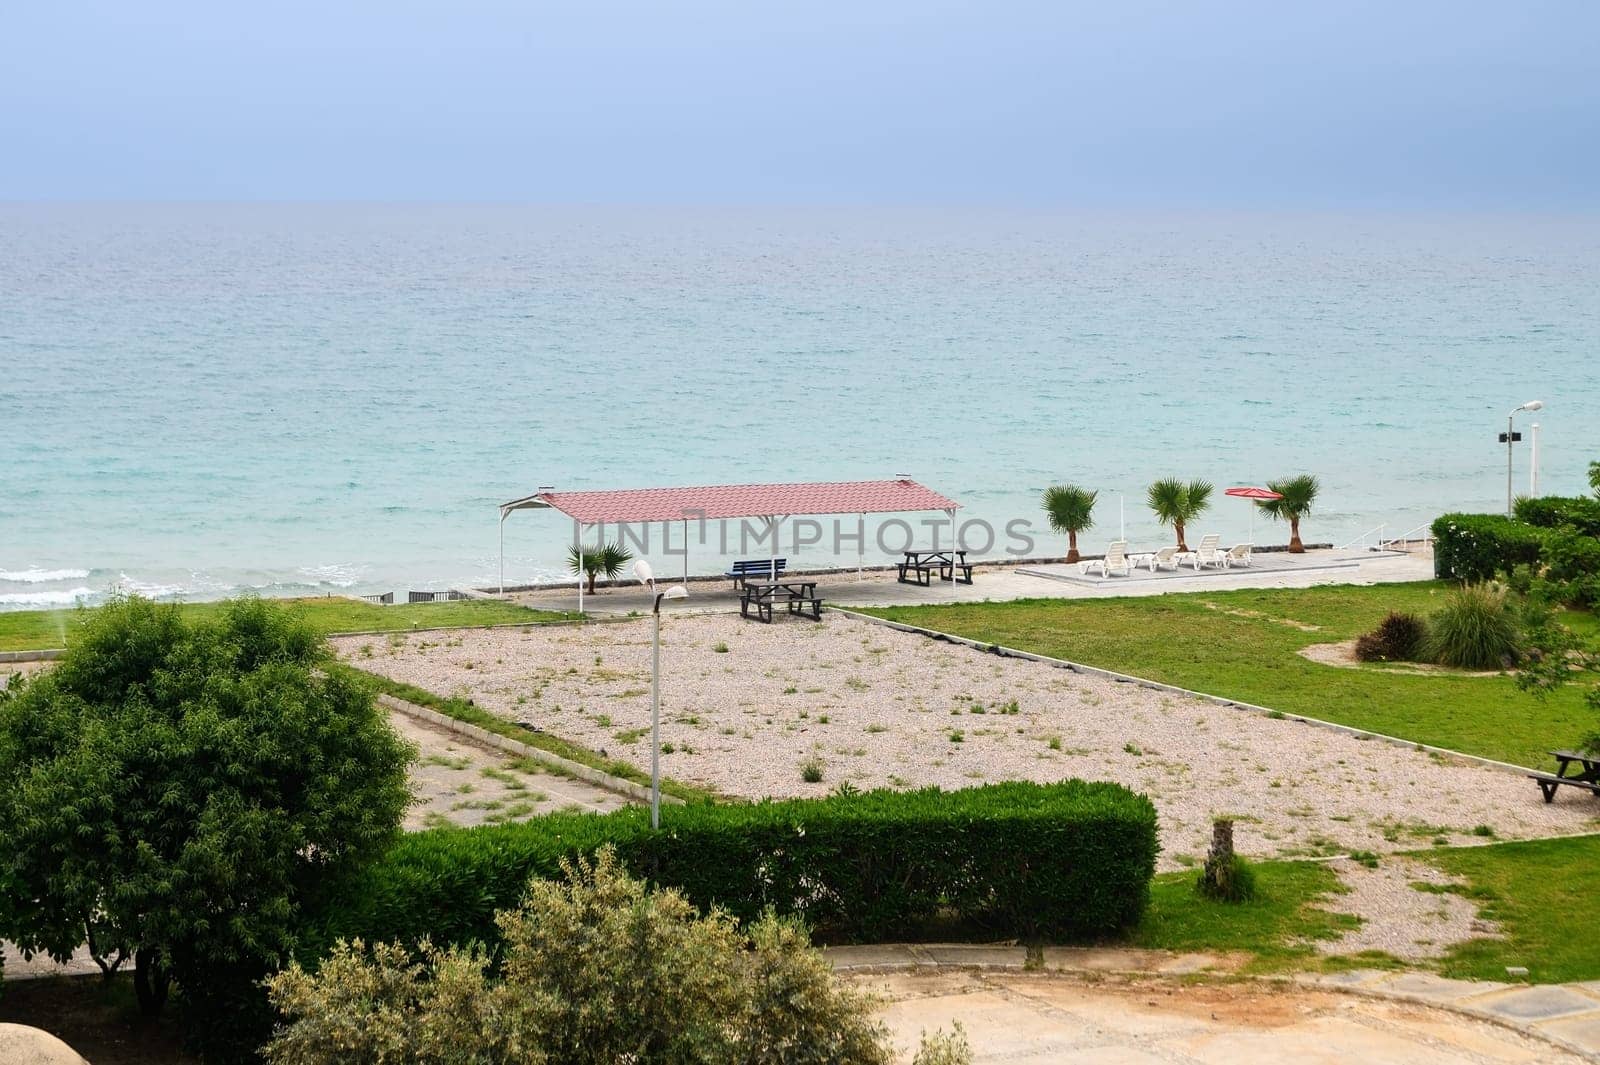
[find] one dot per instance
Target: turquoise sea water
(197, 399)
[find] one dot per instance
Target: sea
(203, 399)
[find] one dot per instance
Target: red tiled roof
(714, 502)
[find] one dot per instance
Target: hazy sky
(1320, 103)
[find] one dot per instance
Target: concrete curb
(31, 656)
(1218, 700)
(637, 792)
(1453, 996)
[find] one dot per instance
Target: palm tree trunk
(1072, 545)
(1178, 527)
(1295, 546)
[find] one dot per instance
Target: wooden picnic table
(922, 563)
(1587, 775)
(799, 595)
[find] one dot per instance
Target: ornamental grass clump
(1475, 629)
(1398, 638)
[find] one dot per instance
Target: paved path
(1120, 1005)
(1003, 583)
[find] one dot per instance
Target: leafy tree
(1594, 477)
(597, 969)
(175, 790)
(1070, 510)
(1177, 504)
(607, 560)
(1298, 494)
(1555, 656)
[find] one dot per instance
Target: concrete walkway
(1122, 1005)
(999, 583)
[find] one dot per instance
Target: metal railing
(1380, 542)
(1405, 538)
(1362, 539)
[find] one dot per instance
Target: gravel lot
(747, 706)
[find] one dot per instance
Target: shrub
(596, 970)
(1479, 547)
(175, 790)
(1572, 565)
(1066, 860)
(1398, 638)
(1234, 881)
(1475, 629)
(1551, 512)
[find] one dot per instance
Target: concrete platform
(1003, 582)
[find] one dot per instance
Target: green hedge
(1551, 512)
(1478, 547)
(1061, 861)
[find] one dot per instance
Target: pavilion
(769, 503)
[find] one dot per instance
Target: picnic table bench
(801, 596)
(769, 568)
(922, 564)
(1586, 777)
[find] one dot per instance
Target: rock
(22, 1045)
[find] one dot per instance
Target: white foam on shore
(149, 589)
(60, 597)
(42, 576)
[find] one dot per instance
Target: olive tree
(595, 969)
(175, 790)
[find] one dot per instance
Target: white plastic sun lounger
(1207, 554)
(1116, 559)
(1238, 555)
(1166, 558)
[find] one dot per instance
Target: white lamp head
(1533, 404)
(646, 575)
(677, 591)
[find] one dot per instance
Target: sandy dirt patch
(455, 782)
(1020, 1017)
(1407, 910)
(1343, 655)
(746, 706)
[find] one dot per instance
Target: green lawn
(1276, 927)
(1243, 644)
(1543, 894)
(32, 630)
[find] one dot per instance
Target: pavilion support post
(955, 545)
(772, 566)
(577, 531)
(503, 552)
(861, 544)
(686, 551)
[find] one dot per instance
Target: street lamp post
(647, 577)
(1510, 437)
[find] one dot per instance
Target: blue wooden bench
(747, 568)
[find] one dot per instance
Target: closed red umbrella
(1252, 494)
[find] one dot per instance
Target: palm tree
(1070, 510)
(1177, 504)
(1298, 494)
(607, 559)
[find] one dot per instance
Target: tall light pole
(647, 577)
(1510, 437)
